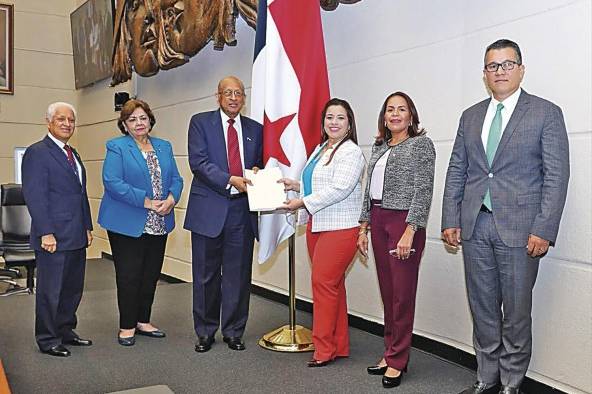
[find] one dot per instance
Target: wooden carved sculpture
(151, 35)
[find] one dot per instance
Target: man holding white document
(221, 144)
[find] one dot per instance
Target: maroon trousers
(397, 280)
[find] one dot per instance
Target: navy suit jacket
(209, 196)
(57, 202)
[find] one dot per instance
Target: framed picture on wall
(6, 49)
(92, 41)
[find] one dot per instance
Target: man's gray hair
(53, 107)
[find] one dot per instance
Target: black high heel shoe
(389, 383)
(376, 370)
(318, 363)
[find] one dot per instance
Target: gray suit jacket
(527, 179)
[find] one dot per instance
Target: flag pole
(290, 338)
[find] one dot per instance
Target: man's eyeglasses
(228, 93)
(506, 66)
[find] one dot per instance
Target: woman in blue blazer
(142, 186)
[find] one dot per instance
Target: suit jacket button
(490, 175)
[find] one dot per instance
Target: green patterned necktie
(495, 134)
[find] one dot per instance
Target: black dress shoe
(78, 342)
(318, 363)
(126, 341)
(376, 370)
(57, 351)
(204, 344)
(509, 390)
(151, 334)
(389, 382)
(481, 388)
(234, 343)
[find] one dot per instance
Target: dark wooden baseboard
(442, 350)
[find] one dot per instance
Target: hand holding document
(266, 194)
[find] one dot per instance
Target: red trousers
(397, 280)
(331, 252)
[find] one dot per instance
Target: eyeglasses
(506, 65)
(133, 119)
(228, 93)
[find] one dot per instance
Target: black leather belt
(237, 195)
(485, 209)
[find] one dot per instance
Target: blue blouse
(307, 174)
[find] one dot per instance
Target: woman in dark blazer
(397, 201)
(142, 186)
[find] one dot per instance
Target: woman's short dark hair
(128, 108)
(351, 133)
(384, 134)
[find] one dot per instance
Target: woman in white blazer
(331, 191)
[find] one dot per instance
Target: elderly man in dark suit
(221, 144)
(505, 191)
(54, 187)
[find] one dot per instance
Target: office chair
(16, 227)
(7, 275)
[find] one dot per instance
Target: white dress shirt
(509, 105)
(61, 145)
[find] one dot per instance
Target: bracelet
(363, 231)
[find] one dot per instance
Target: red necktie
(71, 159)
(234, 160)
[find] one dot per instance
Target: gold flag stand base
(284, 339)
(290, 338)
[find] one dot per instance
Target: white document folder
(266, 194)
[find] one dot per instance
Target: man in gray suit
(505, 190)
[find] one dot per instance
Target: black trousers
(138, 262)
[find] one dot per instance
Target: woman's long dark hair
(384, 134)
(351, 133)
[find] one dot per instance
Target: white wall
(434, 51)
(435, 54)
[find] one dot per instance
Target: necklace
(391, 144)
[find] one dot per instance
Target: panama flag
(289, 89)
